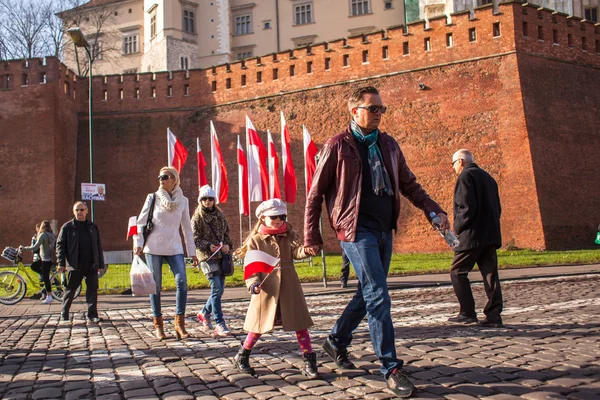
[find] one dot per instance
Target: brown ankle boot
(160, 331)
(180, 327)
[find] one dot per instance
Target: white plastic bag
(142, 281)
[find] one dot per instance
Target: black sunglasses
(374, 109)
(207, 198)
(282, 217)
(80, 209)
(164, 177)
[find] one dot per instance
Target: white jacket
(164, 240)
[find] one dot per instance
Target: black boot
(242, 361)
(310, 366)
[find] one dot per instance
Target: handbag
(226, 264)
(147, 229)
(142, 281)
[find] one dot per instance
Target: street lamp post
(80, 41)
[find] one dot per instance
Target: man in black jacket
(79, 252)
(477, 224)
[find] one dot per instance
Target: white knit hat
(271, 208)
(206, 191)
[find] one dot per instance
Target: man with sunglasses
(79, 247)
(361, 174)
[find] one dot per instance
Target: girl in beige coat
(277, 298)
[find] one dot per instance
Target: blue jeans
(177, 264)
(213, 304)
(370, 255)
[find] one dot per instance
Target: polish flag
(176, 151)
(257, 261)
(274, 188)
(219, 172)
(258, 175)
(242, 179)
(201, 164)
(289, 175)
(132, 227)
(310, 164)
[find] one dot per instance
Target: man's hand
(312, 250)
(445, 225)
(137, 251)
(194, 261)
(62, 269)
(225, 249)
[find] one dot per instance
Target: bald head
(463, 154)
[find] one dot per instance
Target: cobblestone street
(548, 349)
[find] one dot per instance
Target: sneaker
(486, 323)
(221, 329)
(65, 317)
(48, 300)
(340, 357)
(399, 384)
(205, 321)
(344, 284)
(95, 319)
(463, 319)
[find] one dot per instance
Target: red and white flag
(257, 261)
(242, 179)
(219, 172)
(289, 174)
(176, 151)
(258, 175)
(310, 163)
(201, 164)
(132, 227)
(274, 188)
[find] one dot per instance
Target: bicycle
(13, 287)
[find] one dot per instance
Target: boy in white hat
(277, 297)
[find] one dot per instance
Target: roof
(94, 3)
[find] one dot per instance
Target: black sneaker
(399, 384)
(340, 357)
(65, 317)
(463, 319)
(343, 284)
(486, 323)
(95, 319)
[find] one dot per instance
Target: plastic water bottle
(447, 234)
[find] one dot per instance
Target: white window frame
(153, 19)
(360, 7)
(242, 24)
(303, 14)
(189, 21)
(97, 50)
(243, 55)
(184, 62)
(130, 43)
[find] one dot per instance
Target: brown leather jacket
(338, 178)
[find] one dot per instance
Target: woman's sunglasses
(207, 198)
(282, 217)
(164, 177)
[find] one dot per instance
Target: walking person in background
(477, 224)
(44, 246)
(36, 266)
(345, 273)
(171, 211)
(361, 174)
(79, 253)
(277, 298)
(211, 236)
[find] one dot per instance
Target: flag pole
(169, 158)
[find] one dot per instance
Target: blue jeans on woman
(370, 256)
(213, 304)
(177, 265)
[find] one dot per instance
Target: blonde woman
(45, 243)
(171, 211)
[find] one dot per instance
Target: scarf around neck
(170, 201)
(267, 230)
(379, 176)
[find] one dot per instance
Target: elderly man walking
(79, 248)
(477, 223)
(362, 173)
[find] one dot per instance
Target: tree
(22, 28)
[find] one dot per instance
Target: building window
(359, 7)
(153, 25)
(188, 21)
(405, 49)
(121, 94)
(228, 83)
(243, 82)
(244, 54)
(387, 5)
(97, 51)
(275, 74)
(309, 67)
(243, 25)
(327, 64)
(427, 44)
(569, 40)
(591, 14)
(472, 35)
(541, 33)
(213, 86)
(584, 43)
(258, 76)
(186, 90)
(130, 44)
(267, 25)
(365, 56)
(137, 93)
(554, 36)
(525, 29)
(184, 62)
(346, 60)
(449, 40)
(385, 53)
(303, 14)
(292, 70)
(496, 29)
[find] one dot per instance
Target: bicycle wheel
(12, 288)
(58, 280)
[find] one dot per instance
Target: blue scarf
(379, 176)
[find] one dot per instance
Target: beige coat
(282, 286)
